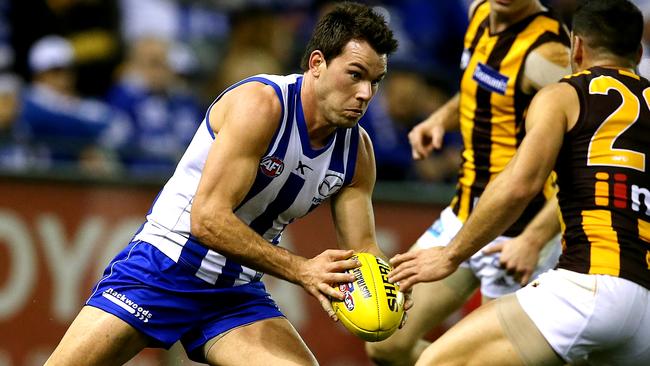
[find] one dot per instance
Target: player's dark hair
(346, 22)
(614, 26)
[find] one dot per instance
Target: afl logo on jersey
(271, 166)
(330, 185)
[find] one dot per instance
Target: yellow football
(372, 308)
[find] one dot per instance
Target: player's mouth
(503, 2)
(354, 112)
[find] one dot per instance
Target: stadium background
(70, 201)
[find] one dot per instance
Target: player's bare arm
(506, 197)
(428, 134)
(352, 210)
(244, 122)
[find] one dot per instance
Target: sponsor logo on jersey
(301, 168)
(330, 185)
(127, 304)
(271, 166)
(490, 79)
(614, 189)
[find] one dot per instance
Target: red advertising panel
(56, 238)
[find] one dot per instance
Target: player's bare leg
(266, 343)
(97, 338)
(433, 303)
(498, 333)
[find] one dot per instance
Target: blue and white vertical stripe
(293, 179)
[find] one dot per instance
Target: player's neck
(501, 21)
(318, 129)
(610, 63)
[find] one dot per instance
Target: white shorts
(603, 320)
(495, 282)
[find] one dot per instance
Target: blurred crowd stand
(118, 88)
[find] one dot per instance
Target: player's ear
(316, 61)
(639, 54)
(577, 50)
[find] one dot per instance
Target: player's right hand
(318, 275)
(426, 136)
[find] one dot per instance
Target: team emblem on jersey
(271, 166)
(490, 79)
(330, 185)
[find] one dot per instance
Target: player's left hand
(425, 265)
(518, 258)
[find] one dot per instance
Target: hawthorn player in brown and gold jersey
(604, 183)
(512, 49)
(594, 128)
(494, 96)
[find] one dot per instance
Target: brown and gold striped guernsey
(602, 173)
(492, 104)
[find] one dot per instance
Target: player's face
(509, 8)
(349, 82)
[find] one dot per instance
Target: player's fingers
(401, 258)
(400, 273)
(525, 278)
(327, 306)
(330, 291)
(415, 154)
(496, 248)
(407, 282)
(338, 254)
(344, 265)
(437, 138)
(337, 278)
(408, 303)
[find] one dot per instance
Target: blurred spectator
(408, 97)
(430, 35)
(15, 152)
(163, 113)
(92, 27)
(251, 49)
(6, 49)
(74, 130)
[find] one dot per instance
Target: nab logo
(271, 166)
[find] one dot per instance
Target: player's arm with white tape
(244, 121)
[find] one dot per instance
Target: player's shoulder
(557, 93)
(473, 7)
(251, 109)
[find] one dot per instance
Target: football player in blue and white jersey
(270, 150)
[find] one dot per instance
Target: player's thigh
(267, 342)
(433, 302)
(476, 337)
(97, 338)
(481, 339)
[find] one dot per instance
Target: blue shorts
(167, 302)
